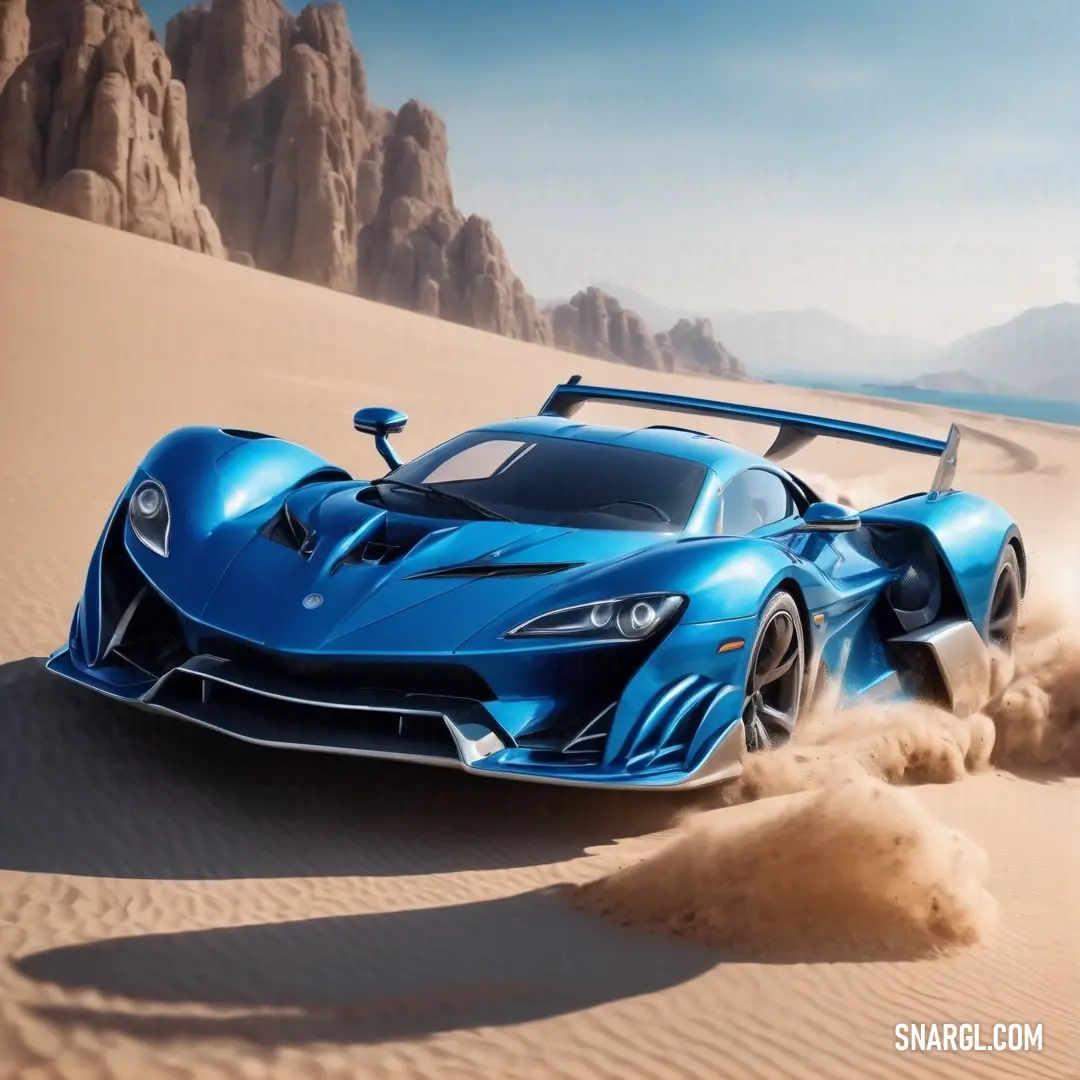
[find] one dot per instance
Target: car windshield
(546, 480)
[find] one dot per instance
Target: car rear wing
(796, 429)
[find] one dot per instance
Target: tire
(1003, 610)
(775, 674)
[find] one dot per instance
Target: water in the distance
(1049, 410)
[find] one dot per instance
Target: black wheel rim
(1005, 610)
(774, 685)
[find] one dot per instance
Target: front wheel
(774, 680)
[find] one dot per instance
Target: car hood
(412, 595)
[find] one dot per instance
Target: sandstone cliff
(92, 124)
(690, 346)
(14, 37)
(595, 324)
(420, 252)
(307, 177)
(287, 144)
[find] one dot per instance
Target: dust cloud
(834, 859)
(855, 870)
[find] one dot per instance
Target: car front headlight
(148, 512)
(626, 618)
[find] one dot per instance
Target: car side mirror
(381, 422)
(829, 517)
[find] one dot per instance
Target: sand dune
(174, 904)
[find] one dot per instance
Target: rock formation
(14, 37)
(306, 177)
(595, 324)
(420, 252)
(690, 346)
(92, 124)
(51, 21)
(287, 144)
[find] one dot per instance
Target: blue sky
(912, 166)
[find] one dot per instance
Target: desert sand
(175, 904)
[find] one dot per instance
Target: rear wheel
(1004, 614)
(774, 680)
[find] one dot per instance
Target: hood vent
(493, 570)
(379, 548)
(288, 530)
(372, 553)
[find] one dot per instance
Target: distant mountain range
(1036, 353)
(777, 343)
(781, 342)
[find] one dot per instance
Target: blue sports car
(538, 598)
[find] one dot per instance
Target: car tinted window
(476, 461)
(752, 499)
(549, 480)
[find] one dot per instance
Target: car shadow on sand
(366, 978)
(92, 787)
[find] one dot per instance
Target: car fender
(970, 534)
(217, 476)
(215, 482)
